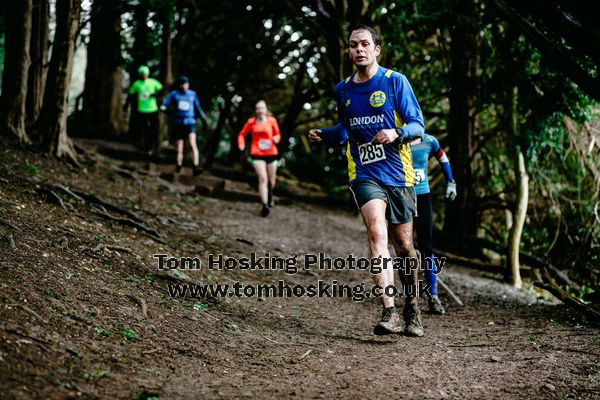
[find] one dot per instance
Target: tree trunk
(166, 54)
(522, 195)
(299, 97)
(102, 94)
(460, 215)
(213, 143)
(141, 54)
(16, 67)
(39, 59)
(166, 67)
(53, 116)
(142, 50)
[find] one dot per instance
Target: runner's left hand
(451, 191)
(385, 136)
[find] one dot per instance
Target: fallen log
(450, 292)
(471, 262)
(470, 242)
(566, 298)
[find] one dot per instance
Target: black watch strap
(399, 138)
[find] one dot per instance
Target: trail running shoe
(390, 322)
(264, 211)
(177, 169)
(198, 170)
(412, 319)
(435, 305)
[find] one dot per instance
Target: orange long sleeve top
(265, 136)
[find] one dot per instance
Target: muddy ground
(78, 321)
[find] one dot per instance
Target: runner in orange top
(263, 151)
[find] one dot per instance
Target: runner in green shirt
(144, 93)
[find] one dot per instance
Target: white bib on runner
(183, 105)
(370, 153)
(419, 176)
(264, 144)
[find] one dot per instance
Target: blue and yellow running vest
(386, 101)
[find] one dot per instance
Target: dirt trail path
(79, 330)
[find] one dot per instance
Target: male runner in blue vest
(421, 151)
(184, 107)
(380, 113)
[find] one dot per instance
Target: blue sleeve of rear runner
(447, 171)
(435, 150)
(168, 100)
(199, 110)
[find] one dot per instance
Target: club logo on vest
(348, 103)
(377, 99)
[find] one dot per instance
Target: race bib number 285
(370, 153)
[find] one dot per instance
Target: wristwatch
(399, 138)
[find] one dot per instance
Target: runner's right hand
(314, 135)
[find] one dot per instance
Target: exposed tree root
(141, 302)
(13, 303)
(100, 207)
(130, 222)
(8, 223)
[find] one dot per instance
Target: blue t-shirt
(386, 101)
(183, 106)
(421, 152)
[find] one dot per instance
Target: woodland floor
(71, 323)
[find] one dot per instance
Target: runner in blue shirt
(380, 114)
(422, 150)
(184, 107)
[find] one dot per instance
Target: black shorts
(181, 131)
(401, 201)
(267, 159)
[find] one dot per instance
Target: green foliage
(71, 275)
(538, 343)
(103, 332)
(96, 375)
(32, 169)
(128, 333)
(198, 306)
(53, 294)
(145, 395)
(231, 326)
